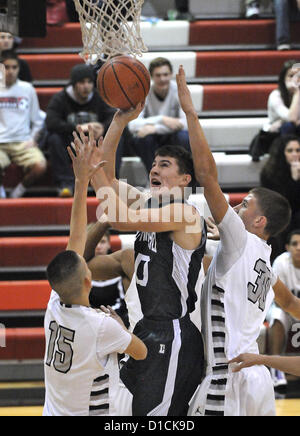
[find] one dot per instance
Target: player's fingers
(105, 309)
(71, 154)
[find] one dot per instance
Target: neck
(81, 300)
(296, 263)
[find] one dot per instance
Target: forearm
(110, 146)
(290, 365)
(78, 222)
(294, 112)
(204, 162)
(95, 234)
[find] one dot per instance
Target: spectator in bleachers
(20, 122)
(162, 122)
(8, 42)
(281, 173)
(283, 111)
(287, 266)
(285, 11)
(79, 104)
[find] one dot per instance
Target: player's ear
(187, 179)
(261, 221)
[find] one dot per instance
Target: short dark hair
(183, 158)
(160, 62)
(291, 234)
(63, 274)
(9, 54)
(275, 208)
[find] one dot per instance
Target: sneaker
(2, 192)
(65, 192)
(18, 191)
(279, 380)
(252, 10)
(282, 47)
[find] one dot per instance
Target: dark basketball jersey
(166, 275)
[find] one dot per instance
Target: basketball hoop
(110, 28)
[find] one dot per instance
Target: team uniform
(81, 360)
(290, 276)
(168, 279)
(236, 297)
(110, 293)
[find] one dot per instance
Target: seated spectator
(108, 292)
(281, 173)
(287, 266)
(283, 111)
(20, 122)
(8, 42)
(79, 104)
(285, 11)
(162, 122)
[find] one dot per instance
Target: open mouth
(155, 183)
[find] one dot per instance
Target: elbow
(143, 353)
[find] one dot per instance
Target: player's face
(103, 247)
(12, 71)
(248, 211)
(294, 248)
(83, 88)
(6, 41)
(292, 152)
(161, 77)
(165, 176)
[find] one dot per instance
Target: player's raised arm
(204, 163)
(110, 146)
(84, 169)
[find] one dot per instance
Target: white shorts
(123, 401)
(249, 392)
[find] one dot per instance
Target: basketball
(123, 82)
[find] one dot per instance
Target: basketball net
(110, 28)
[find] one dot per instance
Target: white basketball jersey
(287, 272)
(81, 362)
(237, 293)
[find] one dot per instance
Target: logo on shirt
(16, 103)
(162, 349)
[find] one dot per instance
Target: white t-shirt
(237, 292)
(81, 361)
(20, 114)
(289, 275)
(277, 110)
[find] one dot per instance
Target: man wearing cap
(79, 104)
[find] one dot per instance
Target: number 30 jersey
(81, 362)
(237, 292)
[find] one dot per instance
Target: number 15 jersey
(81, 362)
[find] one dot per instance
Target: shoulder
(282, 260)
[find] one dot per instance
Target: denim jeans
(285, 11)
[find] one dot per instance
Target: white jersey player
(81, 364)
(238, 288)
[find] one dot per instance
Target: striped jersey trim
(215, 400)
(99, 398)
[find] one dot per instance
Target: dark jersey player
(169, 248)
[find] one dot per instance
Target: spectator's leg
(181, 138)
(71, 11)
(60, 161)
(4, 163)
(288, 128)
(182, 5)
(145, 148)
(282, 12)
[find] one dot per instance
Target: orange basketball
(123, 82)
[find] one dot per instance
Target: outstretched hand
(129, 115)
(184, 94)
(87, 159)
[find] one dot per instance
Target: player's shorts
(277, 314)
(18, 153)
(249, 392)
(164, 383)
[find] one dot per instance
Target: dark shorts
(164, 383)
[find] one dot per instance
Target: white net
(110, 28)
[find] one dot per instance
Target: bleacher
(232, 66)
